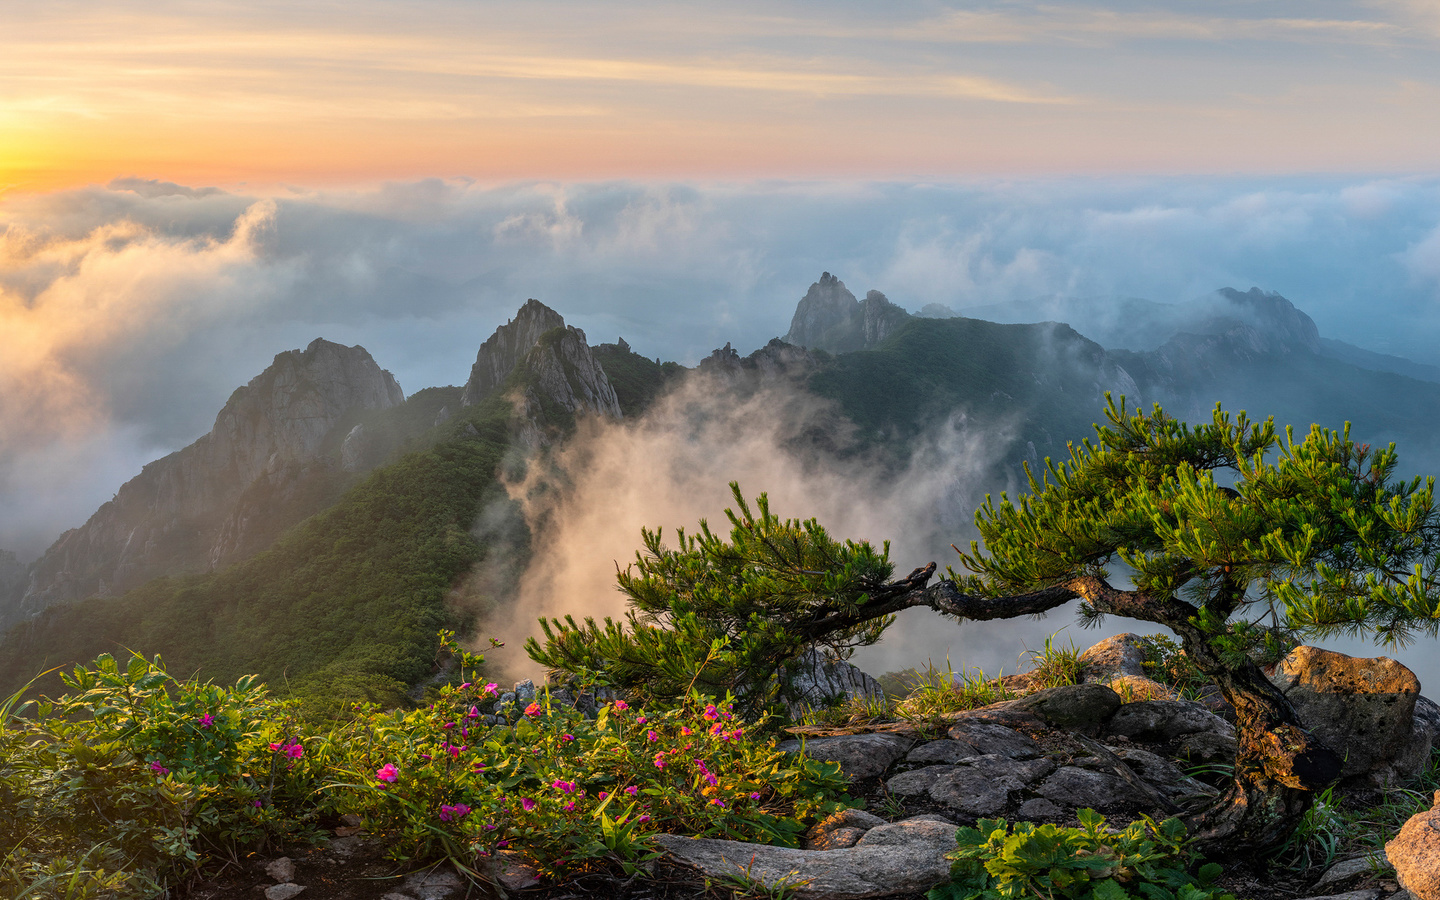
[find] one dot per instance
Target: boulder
(1038, 809)
(1132, 688)
(1355, 867)
(1075, 788)
(962, 788)
(982, 738)
(1161, 773)
(906, 857)
(859, 755)
(1077, 707)
(1165, 720)
(1206, 747)
(1364, 709)
(282, 869)
(1114, 657)
(820, 681)
(1415, 854)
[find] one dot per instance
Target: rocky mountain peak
(1276, 319)
(505, 349)
(827, 305)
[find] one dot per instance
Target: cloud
(134, 310)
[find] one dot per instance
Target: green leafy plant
(999, 861)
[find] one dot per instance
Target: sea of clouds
(129, 312)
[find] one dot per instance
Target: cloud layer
(130, 312)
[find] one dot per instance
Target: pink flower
(632, 790)
(660, 760)
(651, 736)
(458, 811)
(643, 819)
(464, 686)
(566, 786)
(387, 772)
(207, 720)
(621, 705)
(718, 802)
(527, 803)
(567, 737)
(604, 794)
(492, 688)
(717, 728)
(533, 709)
(755, 796)
(711, 713)
(295, 751)
(711, 779)
(570, 807)
(685, 730)
(274, 746)
(641, 721)
(448, 725)
(159, 769)
(474, 713)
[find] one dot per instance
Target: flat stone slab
(1165, 720)
(1076, 788)
(983, 738)
(885, 866)
(963, 788)
(859, 755)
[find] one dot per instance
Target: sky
(267, 93)
(188, 189)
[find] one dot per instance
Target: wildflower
(621, 705)
(717, 728)
(425, 756)
(651, 736)
(159, 769)
(489, 827)
(566, 786)
(295, 751)
(567, 737)
(604, 794)
(570, 807)
(641, 721)
(474, 713)
(458, 811)
(527, 803)
(710, 779)
(533, 709)
(387, 772)
(207, 720)
(464, 686)
(492, 688)
(718, 802)
(275, 747)
(711, 713)
(258, 804)
(448, 725)
(685, 730)
(456, 751)
(632, 790)
(643, 819)
(660, 760)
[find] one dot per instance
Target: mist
(586, 503)
(129, 312)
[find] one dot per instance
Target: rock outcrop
(820, 681)
(829, 318)
(185, 512)
(557, 370)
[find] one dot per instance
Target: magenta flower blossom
(448, 725)
(387, 772)
(643, 819)
(464, 686)
(566, 786)
(532, 710)
(458, 811)
(604, 794)
(207, 720)
(527, 803)
(685, 730)
(632, 790)
(660, 760)
(755, 796)
(295, 751)
(567, 737)
(492, 688)
(641, 721)
(711, 713)
(718, 802)
(274, 746)
(651, 736)
(621, 705)
(474, 713)
(570, 807)
(711, 779)
(159, 769)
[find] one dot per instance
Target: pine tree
(1230, 536)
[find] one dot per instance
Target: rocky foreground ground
(1118, 743)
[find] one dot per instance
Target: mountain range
(315, 533)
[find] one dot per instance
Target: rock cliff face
(505, 349)
(830, 318)
(215, 499)
(559, 375)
